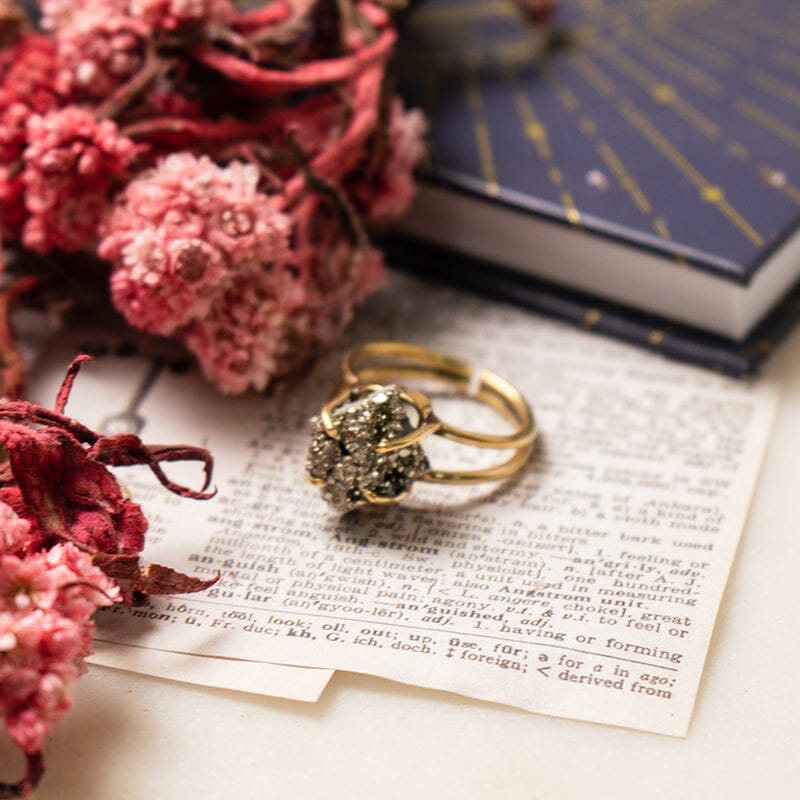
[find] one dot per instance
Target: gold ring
(365, 449)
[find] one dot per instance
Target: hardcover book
(640, 155)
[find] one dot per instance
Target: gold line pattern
(484, 143)
(536, 131)
(694, 76)
(592, 75)
(638, 120)
(661, 226)
(661, 92)
(778, 88)
(622, 175)
(480, 127)
(534, 128)
(614, 163)
(713, 56)
(668, 49)
(708, 192)
(766, 120)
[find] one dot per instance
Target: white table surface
(131, 737)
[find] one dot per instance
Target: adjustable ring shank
(384, 362)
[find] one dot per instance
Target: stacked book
(635, 170)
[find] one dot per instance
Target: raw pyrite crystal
(348, 469)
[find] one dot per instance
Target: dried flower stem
(153, 68)
(12, 369)
(269, 14)
(34, 769)
(263, 82)
(203, 130)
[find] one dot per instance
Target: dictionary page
(585, 588)
(255, 677)
(107, 395)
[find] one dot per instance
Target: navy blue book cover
(672, 126)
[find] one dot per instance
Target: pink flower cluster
(56, 163)
(200, 253)
(171, 15)
(69, 163)
(98, 53)
(226, 164)
(337, 272)
(46, 604)
(158, 15)
(392, 190)
(28, 74)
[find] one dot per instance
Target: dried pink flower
(13, 119)
(338, 268)
(59, 14)
(96, 54)
(56, 476)
(29, 73)
(390, 192)
(178, 235)
(171, 15)
(89, 507)
(70, 162)
(74, 568)
(13, 531)
(165, 15)
(268, 325)
(240, 343)
(41, 653)
(25, 584)
(46, 603)
(68, 536)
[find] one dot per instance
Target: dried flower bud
(97, 54)
(70, 162)
(387, 193)
(178, 235)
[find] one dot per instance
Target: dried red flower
(56, 477)
(69, 543)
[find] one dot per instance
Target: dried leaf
(157, 579)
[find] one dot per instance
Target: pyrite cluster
(348, 469)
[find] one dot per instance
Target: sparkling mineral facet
(349, 468)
